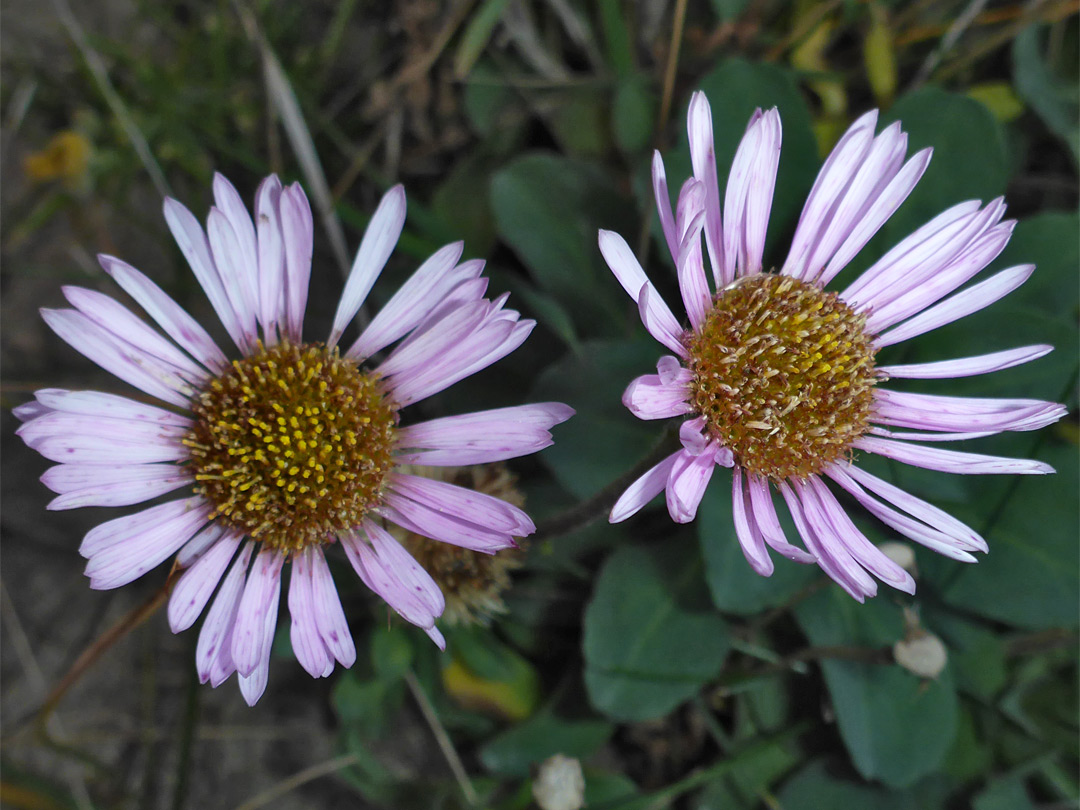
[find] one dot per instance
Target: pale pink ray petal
(628, 271)
(933, 539)
(253, 684)
(197, 584)
(877, 214)
(170, 316)
(768, 523)
(882, 161)
(672, 372)
(236, 269)
(921, 256)
(750, 537)
(926, 512)
(831, 555)
(297, 234)
(29, 411)
(120, 322)
(643, 490)
(971, 414)
(862, 550)
(214, 636)
(122, 554)
(470, 290)
(668, 333)
(329, 617)
(307, 644)
(693, 437)
(693, 285)
(198, 545)
(690, 205)
(759, 195)
(958, 306)
(648, 398)
(129, 363)
(945, 281)
(417, 517)
(111, 485)
(834, 177)
(967, 366)
(461, 502)
(378, 243)
(703, 157)
(261, 593)
(907, 436)
(108, 406)
(424, 289)
(433, 343)
(271, 252)
(686, 483)
(246, 259)
(77, 439)
(189, 235)
(952, 461)
(663, 203)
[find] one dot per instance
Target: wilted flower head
(778, 379)
(290, 448)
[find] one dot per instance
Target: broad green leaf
(462, 203)
(1008, 793)
(755, 776)
(549, 208)
(734, 585)
(816, 788)
(579, 118)
(604, 439)
(1054, 96)
(896, 727)
(633, 115)
(391, 652)
(516, 750)
(650, 642)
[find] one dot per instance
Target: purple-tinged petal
(297, 233)
(958, 306)
(156, 520)
(249, 644)
(761, 503)
(411, 304)
(170, 316)
(417, 352)
(417, 517)
(271, 252)
(216, 630)
(196, 249)
(971, 414)
(128, 362)
(197, 584)
(643, 490)
(967, 366)
(663, 204)
(120, 322)
(236, 275)
(78, 439)
(672, 372)
(307, 644)
(378, 243)
(667, 333)
(29, 411)
(703, 158)
(952, 461)
(253, 684)
(750, 537)
(461, 503)
(198, 545)
(748, 197)
(246, 258)
(108, 406)
(330, 618)
(693, 285)
(906, 436)
(648, 398)
(109, 485)
(686, 484)
(692, 436)
(628, 271)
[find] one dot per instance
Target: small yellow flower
(66, 157)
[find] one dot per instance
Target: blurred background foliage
(649, 651)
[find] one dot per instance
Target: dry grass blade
(285, 104)
(112, 98)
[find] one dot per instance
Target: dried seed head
(292, 444)
(783, 374)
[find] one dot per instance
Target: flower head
(289, 448)
(777, 377)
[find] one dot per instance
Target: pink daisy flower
(292, 447)
(776, 377)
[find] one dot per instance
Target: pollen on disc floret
(292, 444)
(783, 374)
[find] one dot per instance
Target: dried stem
(446, 745)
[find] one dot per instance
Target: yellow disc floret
(783, 375)
(292, 444)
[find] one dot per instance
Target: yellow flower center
(292, 444)
(783, 375)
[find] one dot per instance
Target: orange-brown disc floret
(292, 444)
(783, 373)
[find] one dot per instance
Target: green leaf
(815, 788)
(649, 642)
(756, 774)
(634, 113)
(881, 710)
(1054, 96)
(366, 707)
(734, 585)
(461, 202)
(1004, 794)
(579, 120)
(476, 36)
(391, 652)
(548, 209)
(512, 752)
(604, 439)
(970, 158)
(728, 10)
